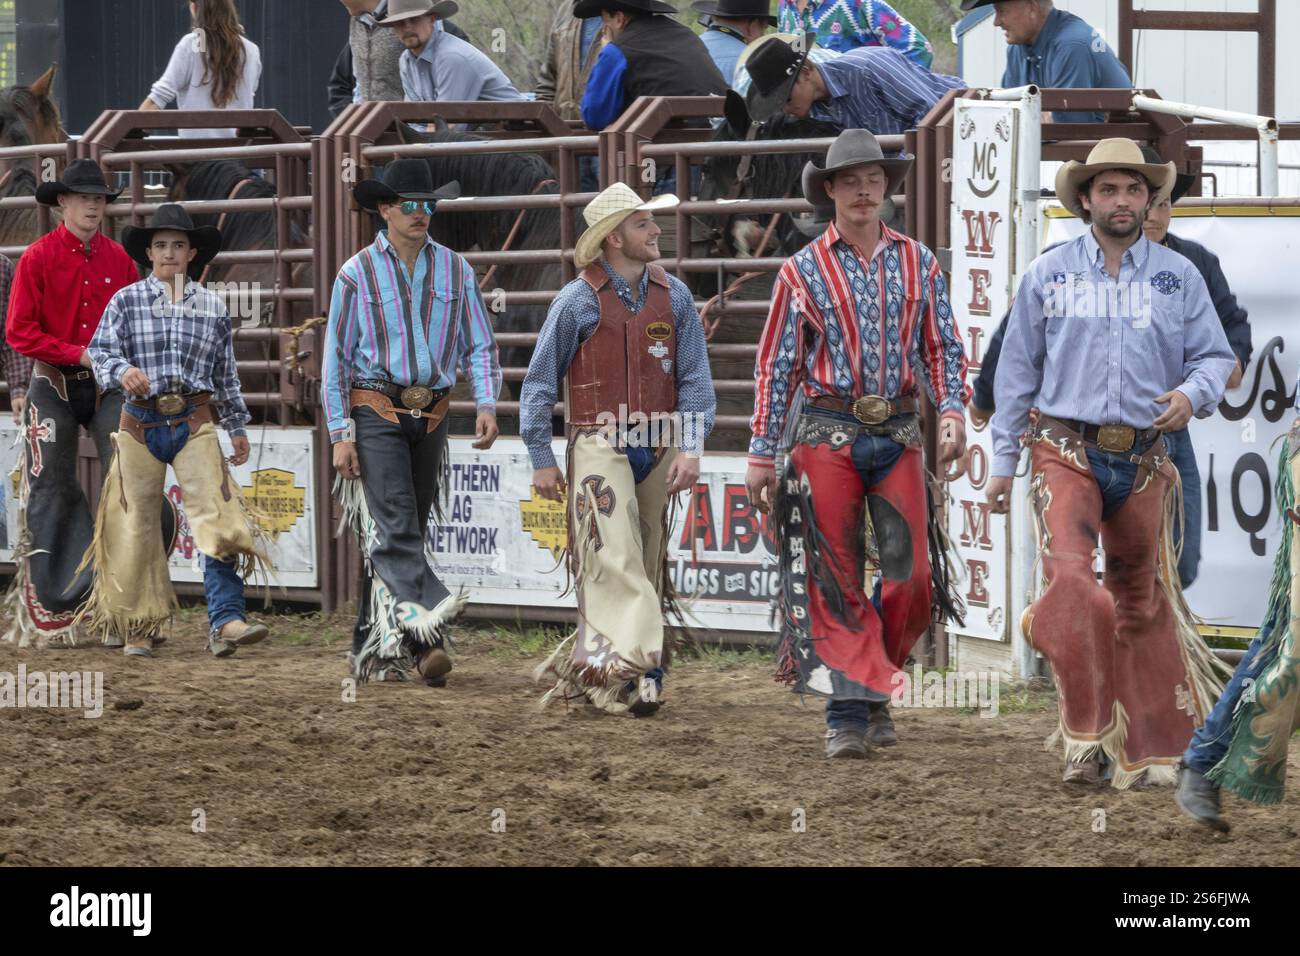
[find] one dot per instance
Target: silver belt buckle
(172, 403)
(416, 398)
(871, 409)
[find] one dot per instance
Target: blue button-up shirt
(411, 328)
(725, 46)
(879, 89)
(181, 347)
(1066, 54)
(1082, 345)
(448, 68)
(573, 316)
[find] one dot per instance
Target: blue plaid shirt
(186, 347)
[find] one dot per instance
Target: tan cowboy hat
(604, 213)
(1115, 153)
(399, 10)
(853, 147)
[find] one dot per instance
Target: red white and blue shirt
(846, 325)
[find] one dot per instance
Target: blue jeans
(1210, 742)
(1114, 475)
(873, 457)
(222, 586)
(1183, 455)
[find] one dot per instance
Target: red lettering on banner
(975, 525)
(978, 471)
(740, 525)
(980, 303)
(980, 228)
(974, 354)
(978, 595)
(699, 521)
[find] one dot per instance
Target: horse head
(35, 108)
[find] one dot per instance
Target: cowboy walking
(629, 345)
(167, 342)
(61, 286)
(1114, 339)
(406, 313)
(859, 320)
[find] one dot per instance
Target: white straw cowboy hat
(406, 9)
(604, 213)
(1114, 153)
(853, 147)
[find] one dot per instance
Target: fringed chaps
(618, 538)
(1133, 675)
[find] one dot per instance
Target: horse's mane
(775, 174)
(216, 180)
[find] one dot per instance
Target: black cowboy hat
(81, 176)
(171, 217)
(735, 9)
(1182, 181)
(969, 5)
(774, 69)
(403, 179)
(591, 8)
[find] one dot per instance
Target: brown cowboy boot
(434, 666)
(1083, 772)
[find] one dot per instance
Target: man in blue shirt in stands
(1055, 50)
(731, 26)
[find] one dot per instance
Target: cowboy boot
(880, 726)
(1083, 772)
(138, 645)
(846, 744)
(434, 665)
(241, 632)
(1199, 799)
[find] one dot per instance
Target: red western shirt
(59, 293)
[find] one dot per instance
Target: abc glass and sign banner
(502, 543)
(1237, 448)
(983, 241)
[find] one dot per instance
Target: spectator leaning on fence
(214, 68)
(571, 52)
(731, 26)
(368, 67)
(843, 25)
(1055, 50)
(868, 88)
(437, 65)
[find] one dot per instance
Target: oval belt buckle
(1116, 438)
(417, 398)
(171, 404)
(871, 409)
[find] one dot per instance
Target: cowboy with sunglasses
(406, 313)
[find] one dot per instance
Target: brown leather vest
(629, 360)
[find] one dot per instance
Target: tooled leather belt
(414, 398)
(869, 409)
(1116, 439)
(172, 403)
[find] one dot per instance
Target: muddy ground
(285, 772)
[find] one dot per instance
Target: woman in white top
(215, 67)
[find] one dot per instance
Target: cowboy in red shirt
(61, 286)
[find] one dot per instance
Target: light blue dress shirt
(448, 68)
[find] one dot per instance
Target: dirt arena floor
(285, 772)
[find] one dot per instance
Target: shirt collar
(1136, 253)
(887, 237)
(621, 285)
(833, 87)
(427, 53)
(156, 288)
(386, 245)
(76, 245)
(722, 28)
(1051, 26)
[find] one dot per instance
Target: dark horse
(27, 115)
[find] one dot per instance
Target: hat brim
(587, 249)
(206, 239)
(968, 5)
(369, 193)
(592, 8)
(47, 194)
(709, 8)
(445, 8)
(763, 106)
(1178, 189)
(814, 177)
(1074, 174)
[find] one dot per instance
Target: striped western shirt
(879, 89)
(411, 329)
(845, 325)
(182, 347)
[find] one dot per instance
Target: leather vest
(666, 58)
(631, 358)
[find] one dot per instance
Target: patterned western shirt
(879, 89)
(572, 318)
(1082, 345)
(17, 367)
(843, 25)
(411, 329)
(185, 347)
(845, 325)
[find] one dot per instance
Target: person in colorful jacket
(843, 25)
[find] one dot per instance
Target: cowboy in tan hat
(859, 323)
(627, 341)
(1115, 340)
